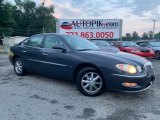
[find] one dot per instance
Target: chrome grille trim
(149, 68)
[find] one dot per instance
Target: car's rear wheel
(157, 55)
(90, 82)
(19, 67)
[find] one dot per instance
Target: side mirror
(59, 47)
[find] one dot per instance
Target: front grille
(149, 69)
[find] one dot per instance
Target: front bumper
(143, 82)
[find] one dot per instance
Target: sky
(137, 15)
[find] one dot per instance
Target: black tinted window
(51, 41)
(35, 41)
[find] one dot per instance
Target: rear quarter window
(25, 42)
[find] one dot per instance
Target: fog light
(126, 84)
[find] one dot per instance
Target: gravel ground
(35, 97)
(1, 49)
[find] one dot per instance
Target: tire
(90, 82)
(19, 67)
(157, 55)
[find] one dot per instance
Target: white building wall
(10, 41)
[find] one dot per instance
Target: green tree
(127, 37)
(44, 19)
(25, 18)
(6, 20)
(135, 35)
(150, 34)
(145, 36)
(24, 15)
(157, 36)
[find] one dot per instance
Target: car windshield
(101, 43)
(129, 44)
(155, 44)
(80, 44)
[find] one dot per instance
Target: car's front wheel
(19, 67)
(90, 82)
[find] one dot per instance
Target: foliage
(150, 35)
(145, 36)
(129, 37)
(135, 35)
(25, 18)
(6, 20)
(157, 36)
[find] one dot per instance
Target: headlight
(135, 51)
(127, 68)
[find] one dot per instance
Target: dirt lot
(34, 97)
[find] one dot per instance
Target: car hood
(118, 56)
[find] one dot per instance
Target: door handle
(45, 54)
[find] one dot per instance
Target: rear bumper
(116, 81)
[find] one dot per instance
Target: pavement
(35, 97)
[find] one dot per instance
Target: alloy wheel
(18, 67)
(91, 82)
